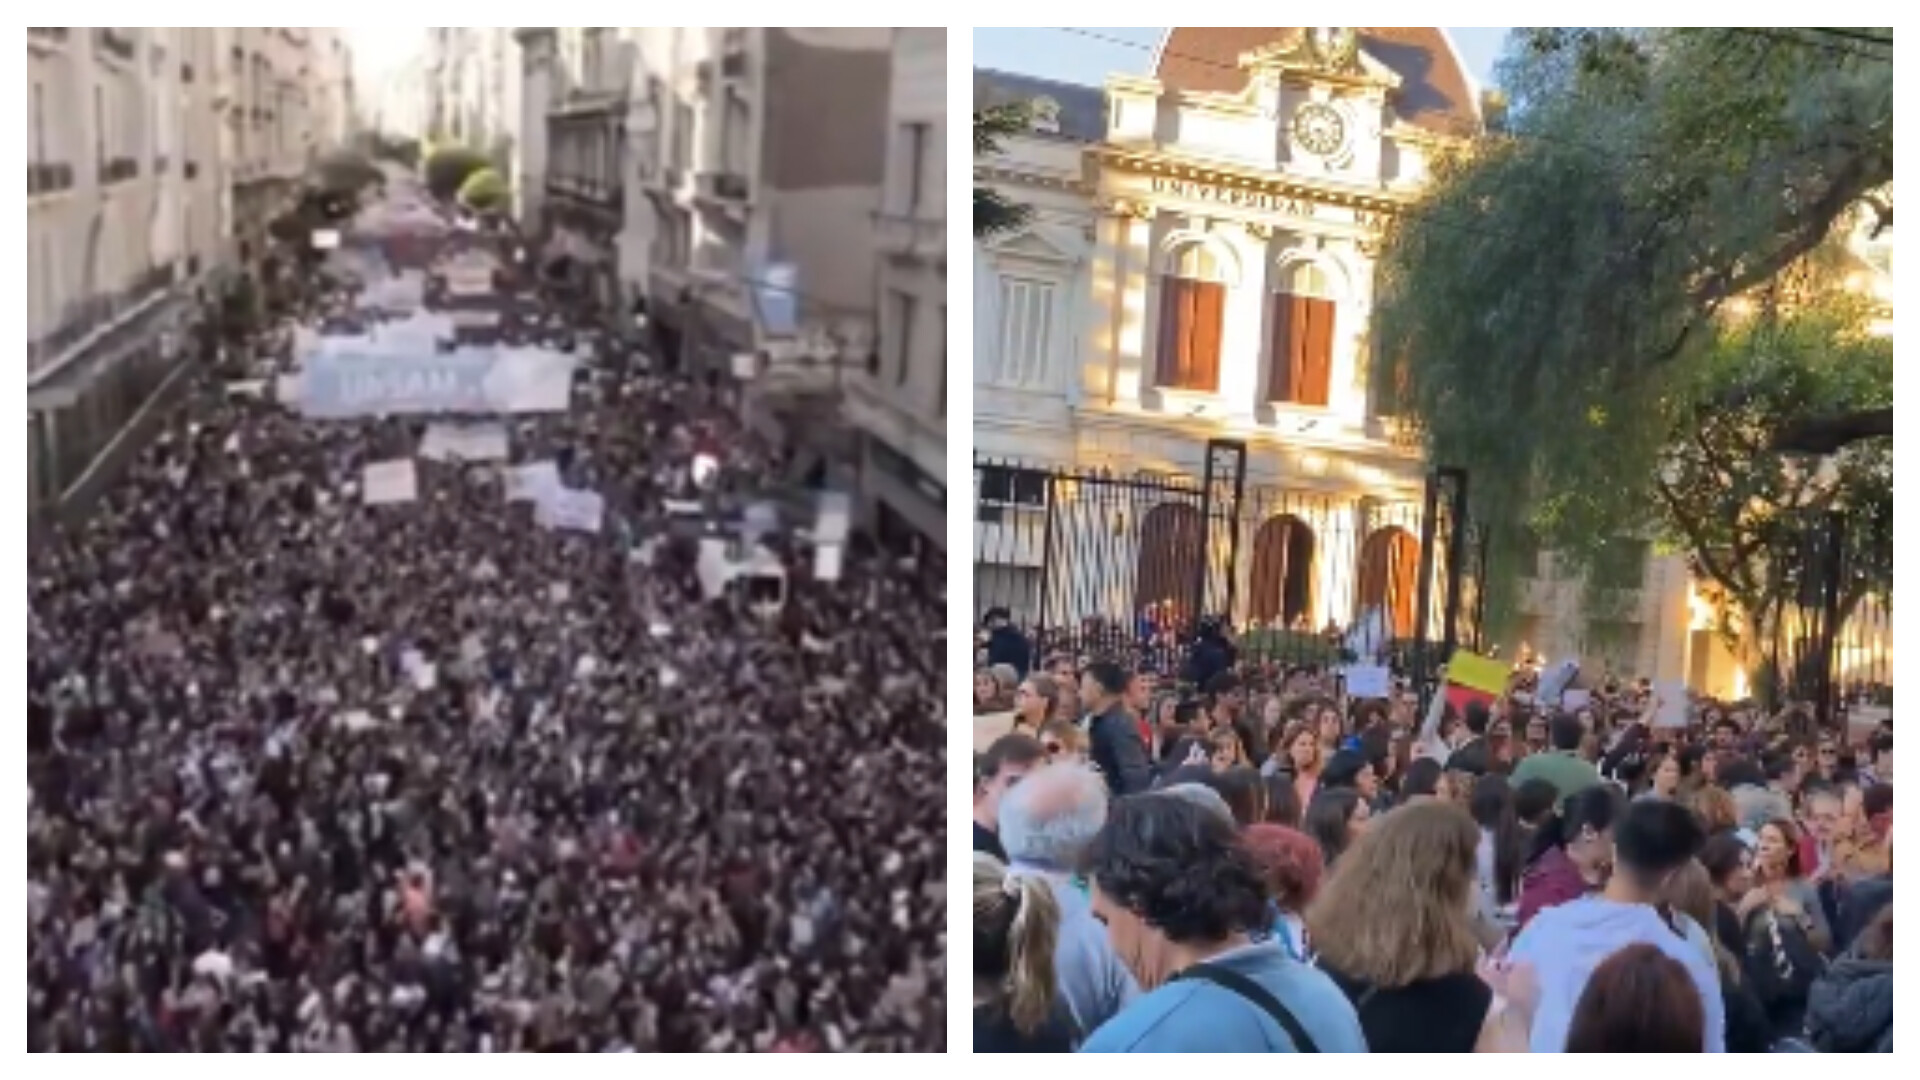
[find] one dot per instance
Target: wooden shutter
(1209, 320)
(1168, 362)
(1283, 347)
(1316, 352)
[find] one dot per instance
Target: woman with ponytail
(1016, 923)
(1572, 851)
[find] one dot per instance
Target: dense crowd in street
(313, 775)
(1230, 857)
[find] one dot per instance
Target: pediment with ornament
(1324, 51)
(1041, 243)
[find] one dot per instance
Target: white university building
(1198, 266)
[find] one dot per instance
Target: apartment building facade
(898, 399)
(148, 148)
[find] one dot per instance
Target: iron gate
(1830, 644)
(1088, 561)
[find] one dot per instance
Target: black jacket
(1115, 746)
(1850, 1008)
(1008, 646)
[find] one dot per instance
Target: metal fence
(1089, 561)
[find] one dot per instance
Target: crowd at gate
(1225, 855)
(500, 705)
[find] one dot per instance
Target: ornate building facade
(1199, 267)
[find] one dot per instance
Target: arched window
(1300, 357)
(1193, 309)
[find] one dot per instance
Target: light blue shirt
(1192, 1016)
(1567, 942)
(1092, 980)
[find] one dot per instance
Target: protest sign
(337, 385)
(1368, 681)
(833, 518)
(527, 483)
(1674, 703)
(383, 482)
(570, 508)
(827, 559)
(464, 442)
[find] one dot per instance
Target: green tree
(485, 191)
(1565, 281)
(345, 173)
(994, 213)
(1743, 509)
(448, 167)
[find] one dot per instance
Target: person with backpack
(1214, 981)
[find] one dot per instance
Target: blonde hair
(1066, 733)
(1397, 908)
(1016, 923)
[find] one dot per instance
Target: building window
(1193, 308)
(1301, 357)
(39, 124)
(902, 322)
(1026, 332)
(1009, 486)
(917, 136)
(100, 126)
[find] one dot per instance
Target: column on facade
(1242, 330)
(1126, 262)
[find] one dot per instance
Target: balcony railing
(115, 42)
(728, 187)
(46, 178)
(81, 319)
(910, 234)
(118, 170)
(585, 190)
(53, 34)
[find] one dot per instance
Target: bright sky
(380, 50)
(1088, 54)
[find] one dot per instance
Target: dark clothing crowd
(1265, 862)
(310, 775)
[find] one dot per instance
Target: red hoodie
(1549, 881)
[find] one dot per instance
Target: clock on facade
(1319, 129)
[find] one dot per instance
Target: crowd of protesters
(1244, 858)
(309, 775)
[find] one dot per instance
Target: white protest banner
(529, 482)
(1369, 681)
(1673, 703)
(464, 319)
(571, 508)
(464, 442)
(1555, 680)
(394, 481)
(833, 518)
(325, 239)
(1576, 699)
(340, 385)
(758, 572)
(252, 388)
(826, 561)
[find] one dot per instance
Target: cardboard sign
(383, 482)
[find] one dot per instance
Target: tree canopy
(1574, 298)
(993, 212)
(448, 167)
(485, 190)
